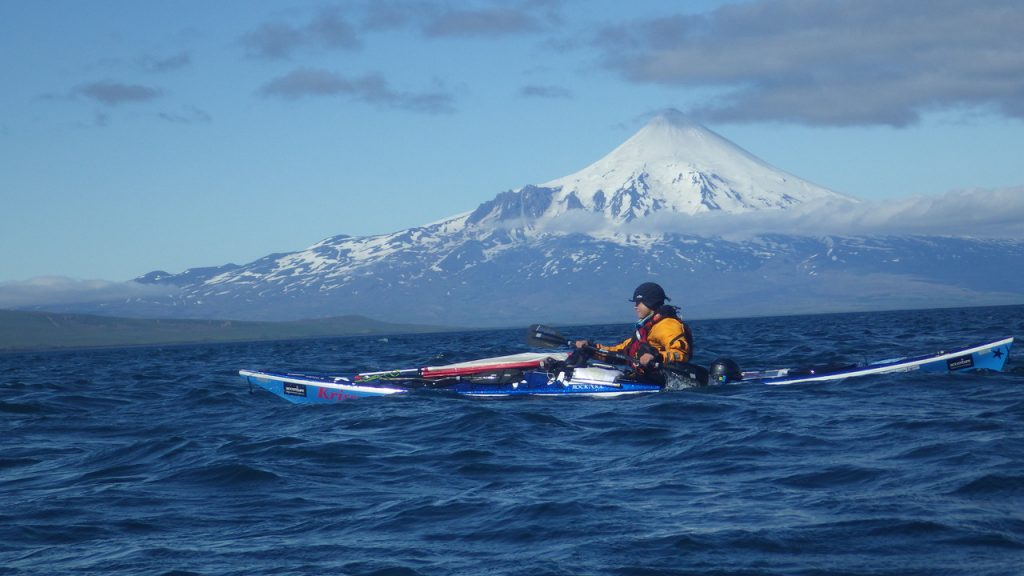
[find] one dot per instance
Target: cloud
(117, 93)
(984, 213)
(187, 115)
(489, 22)
(344, 28)
(167, 64)
(371, 89)
(328, 29)
(997, 213)
(337, 28)
(842, 62)
(392, 14)
(273, 41)
(54, 290)
(551, 92)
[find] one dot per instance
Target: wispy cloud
(167, 63)
(549, 92)
(486, 22)
(372, 89)
(53, 290)
(117, 93)
(186, 115)
(997, 213)
(329, 28)
(843, 62)
(392, 14)
(273, 41)
(345, 28)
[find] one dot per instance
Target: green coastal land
(27, 331)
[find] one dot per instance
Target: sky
(143, 135)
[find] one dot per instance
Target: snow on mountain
(501, 279)
(672, 164)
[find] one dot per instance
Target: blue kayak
(523, 375)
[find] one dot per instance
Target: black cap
(649, 294)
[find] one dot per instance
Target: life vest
(662, 334)
(640, 336)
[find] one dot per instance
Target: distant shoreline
(28, 332)
(22, 332)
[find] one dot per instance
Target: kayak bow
(990, 356)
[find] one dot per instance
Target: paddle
(542, 336)
(482, 366)
(389, 374)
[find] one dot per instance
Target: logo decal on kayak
(960, 363)
(323, 394)
(295, 389)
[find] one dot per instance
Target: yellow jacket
(669, 336)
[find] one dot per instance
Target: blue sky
(144, 135)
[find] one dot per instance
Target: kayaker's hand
(646, 359)
(581, 344)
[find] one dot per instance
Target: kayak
(531, 374)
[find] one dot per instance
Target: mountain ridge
(554, 253)
(575, 278)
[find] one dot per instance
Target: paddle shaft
(431, 372)
(540, 335)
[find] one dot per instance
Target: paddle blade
(542, 336)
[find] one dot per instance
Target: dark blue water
(161, 461)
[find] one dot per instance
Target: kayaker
(660, 336)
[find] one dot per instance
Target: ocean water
(160, 460)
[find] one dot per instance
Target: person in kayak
(660, 337)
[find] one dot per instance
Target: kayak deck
(990, 356)
(594, 382)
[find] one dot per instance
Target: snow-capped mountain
(513, 260)
(675, 164)
(670, 165)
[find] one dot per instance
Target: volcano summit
(670, 165)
